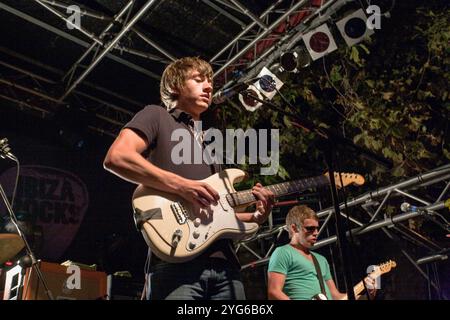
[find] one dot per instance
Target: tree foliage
(388, 94)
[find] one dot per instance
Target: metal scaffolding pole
(250, 66)
(134, 29)
(248, 13)
(138, 15)
(104, 110)
(76, 40)
(389, 222)
(428, 211)
(224, 13)
(243, 32)
(438, 174)
(83, 11)
(154, 45)
(93, 45)
(294, 36)
(59, 73)
(59, 15)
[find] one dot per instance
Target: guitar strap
(319, 274)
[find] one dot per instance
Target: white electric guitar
(177, 231)
(359, 288)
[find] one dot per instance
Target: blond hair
(298, 214)
(175, 75)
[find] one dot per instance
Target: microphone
(221, 95)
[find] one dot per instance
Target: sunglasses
(311, 228)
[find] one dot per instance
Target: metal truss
(99, 48)
(415, 197)
(74, 39)
(118, 18)
(38, 94)
(259, 44)
(42, 95)
(262, 29)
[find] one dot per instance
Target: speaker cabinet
(62, 282)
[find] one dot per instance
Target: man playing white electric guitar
(142, 154)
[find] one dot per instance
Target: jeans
(205, 279)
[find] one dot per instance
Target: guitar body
(178, 231)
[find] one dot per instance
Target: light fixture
(248, 102)
(319, 42)
(293, 61)
(268, 83)
(353, 27)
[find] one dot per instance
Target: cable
(147, 275)
(13, 217)
(16, 183)
(5, 153)
(388, 11)
(334, 87)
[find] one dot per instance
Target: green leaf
(388, 153)
(398, 171)
(354, 56)
(446, 153)
(358, 137)
(364, 48)
(370, 83)
(287, 122)
(335, 75)
(387, 95)
(282, 173)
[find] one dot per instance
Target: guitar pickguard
(206, 225)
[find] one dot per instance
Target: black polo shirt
(155, 124)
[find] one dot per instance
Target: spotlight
(249, 103)
(293, 61)
(353, 27)
(319, 42)
(268, 83)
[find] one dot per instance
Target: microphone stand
(31, 259)
(330, 140)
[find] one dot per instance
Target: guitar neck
(359, 287)
(245, 197)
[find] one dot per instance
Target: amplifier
(64, 283)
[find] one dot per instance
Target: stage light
(319, 42)
(293, 61)
(268, 83)
(353, 27)
(249, 103)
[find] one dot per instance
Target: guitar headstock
(387, 266)
(347, 179)
(383, 268)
